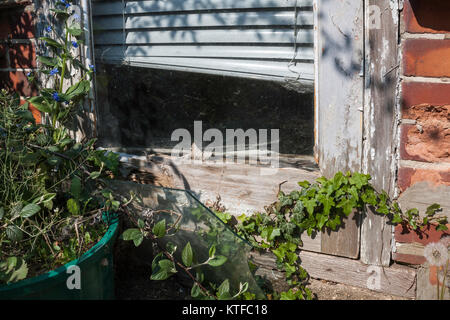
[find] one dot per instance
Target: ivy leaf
(159, 229)
(441, 227)
(29, 210)
(310, 205)
(397, 218)
(431, 210)
(275, 233)
(321, 220)
(359, 180)
(327, 202)
(217, 261)
(187, 255)
(304, 184)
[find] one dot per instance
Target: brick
(4, 56)
(408, 258)
(427, 235)
(36, 113)
(407, 177)
(16, 24)
(419, 93)
(17, 81)
(429, 16)
(22, 56)
(430, 143)
(426, 57)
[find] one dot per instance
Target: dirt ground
(135, 284)
(326, 290)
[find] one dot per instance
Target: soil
(133, 283)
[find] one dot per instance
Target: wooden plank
(278, 36)
(379, 122)
(230, 19)
(339, 97)
(241, 187)
(395, 280)
(344, 241)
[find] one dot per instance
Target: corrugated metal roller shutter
(272, 39)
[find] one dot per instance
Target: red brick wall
(425, 106)
(17, 49)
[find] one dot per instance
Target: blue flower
(56, 96)
(76, 17)
(29, 74)
(92, 67)
(75, 44)
(54, 71)
(49, 29)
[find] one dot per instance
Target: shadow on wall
(433, 14)
(17, 55)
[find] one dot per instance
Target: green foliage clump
(51, 185)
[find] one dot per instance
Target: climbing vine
(314, 208)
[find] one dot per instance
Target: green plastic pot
(96, 276)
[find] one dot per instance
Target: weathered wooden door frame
(370, 237)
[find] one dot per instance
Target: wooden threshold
(395, 280)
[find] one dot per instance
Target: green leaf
(187, 255)
(160, 275)
(79, 88)
(75, 30)
(14, 233)
(52, 43)
(171, 247)
(431, 210)
(310, 205)
(224, 289)
(167, 266)
(41, 104)
(397, 218)
(212, 251)
(159, 229)
(141, 223)
(217, 261)
(441, 227)
(73, 206)
(94, 175)
(29, 210)
(13, 269)
(48, 61)
(304, 184)
(195, 291)
(75, 187)
(133, 234)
